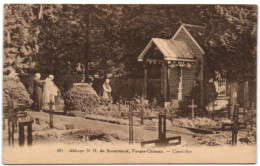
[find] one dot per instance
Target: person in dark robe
(37, 90)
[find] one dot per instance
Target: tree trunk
(87, 55)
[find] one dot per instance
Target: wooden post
(252, 116)
(168, 85)
(142, 115)
(145, 81)
(21, 134)
(51, 104)
(229, 108)
(131, 134)
(180, 86)
(29, 131)
(12, 135)
(162, 128)
(9, 132)
(192, 106)
(235, 125)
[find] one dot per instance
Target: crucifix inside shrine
(171, 67)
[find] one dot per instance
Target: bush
(13, 86)
(81, 97)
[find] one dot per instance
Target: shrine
(171, 67)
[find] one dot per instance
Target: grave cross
(162, 140)
(143, 105)
(192, 106)
(51, 104)
(130, 115)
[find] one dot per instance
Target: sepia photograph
(129, 84)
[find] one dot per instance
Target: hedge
(13, 86)
(81, 97)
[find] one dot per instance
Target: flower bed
(199, 123)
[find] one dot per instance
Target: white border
(120, 2)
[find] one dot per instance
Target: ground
(86, 130)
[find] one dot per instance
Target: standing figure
(50, 90)
(107, 90)
(37, 92)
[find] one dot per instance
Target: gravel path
(117, 133)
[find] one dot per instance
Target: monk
(37, 91)
(50, 91)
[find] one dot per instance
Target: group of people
(44, 92)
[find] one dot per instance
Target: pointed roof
(171, 48)
(196, 32)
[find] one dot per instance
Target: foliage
(108, 38)
(232, 40)
(81, 97)
(20, 37)
(196, 93)
(13, 86)
(210, 93)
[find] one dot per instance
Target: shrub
(13, 86)
(81, 97)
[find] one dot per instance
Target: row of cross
(162, 140)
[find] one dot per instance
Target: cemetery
(174, 96)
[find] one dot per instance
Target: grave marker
(162, 140)
(51, 104)
(192, 106)
(130, 115)
(235, 125)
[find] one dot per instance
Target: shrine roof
(177, 50)
(171, 49)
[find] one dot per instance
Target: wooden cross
(162, 140)
(130, 115)
(192, 106)
(51, 104)
(142, 104)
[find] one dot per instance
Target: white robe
(50, 90)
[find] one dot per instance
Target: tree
(232, 42)
(20, 37)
